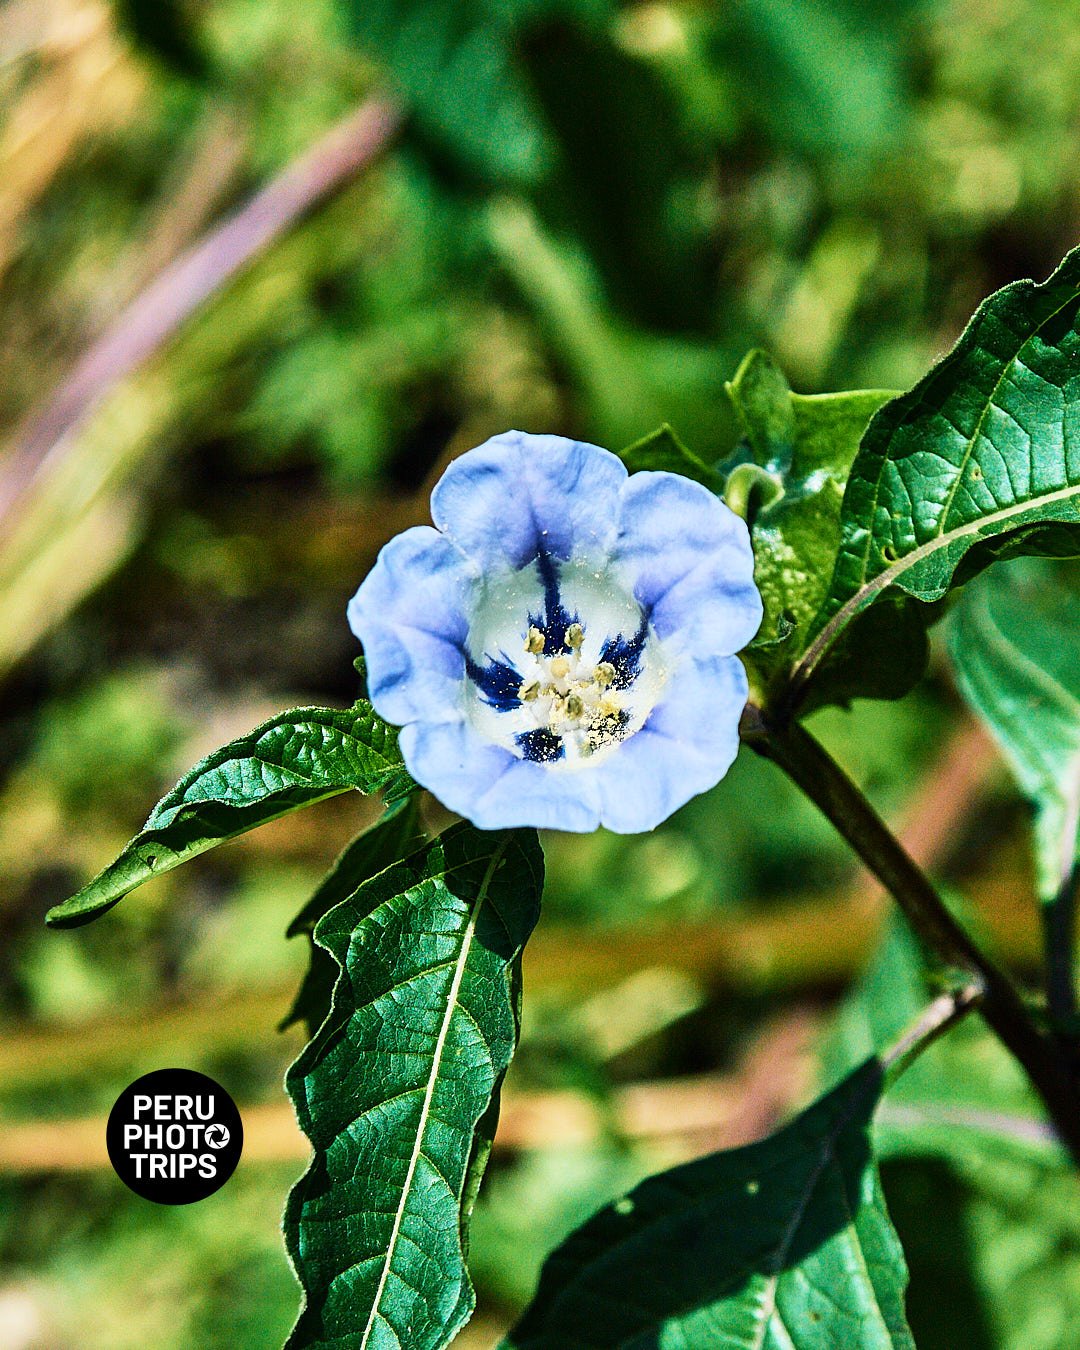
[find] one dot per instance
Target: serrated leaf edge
(461, 960)
(436, 1062)
(176, 802)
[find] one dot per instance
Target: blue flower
(559, 650)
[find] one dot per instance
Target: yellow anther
(577, 701)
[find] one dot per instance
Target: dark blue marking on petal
(556, 619)
(625, 655)
(497, 681)
(542, 746)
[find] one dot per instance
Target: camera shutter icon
(217, 1136)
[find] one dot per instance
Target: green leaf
(762, 400)
(982, 1195)
(787, 479)
(782, 1244)
(965, 1090)
(1015, 644)
(663, 450)
(398, 1091)
(293, 760)
(970, 465)
(394, 835)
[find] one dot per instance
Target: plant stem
(933, 1022)
(1059, 942)
(811, 767)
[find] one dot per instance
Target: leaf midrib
(433, 1078)
(827, 1160)
(866, 593)
(772, 1282)
(972, 440)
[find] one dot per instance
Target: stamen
(573, 708)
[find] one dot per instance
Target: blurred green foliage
(593, 211)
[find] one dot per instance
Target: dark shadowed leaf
(782, 1244)
(398, 1092)
(293, 760)
(394, 835)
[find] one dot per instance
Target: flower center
(570, 698)
(560, 662)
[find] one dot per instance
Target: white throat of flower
(574, 695)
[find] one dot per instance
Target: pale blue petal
(517, 495)
(688, 559)
(410, 615)
(687, 744)
(490, 786)
(520, 498)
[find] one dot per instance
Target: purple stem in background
(1020, 1128)
(158, 311)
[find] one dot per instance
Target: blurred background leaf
(1013, 642)
(1016, 647)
